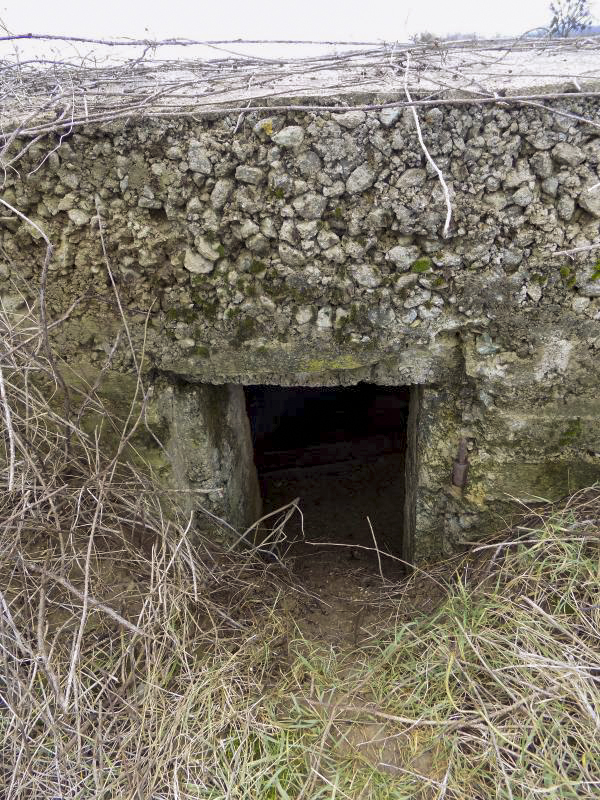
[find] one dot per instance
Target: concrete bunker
(306, 246)
(342, 450)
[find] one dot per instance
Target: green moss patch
(422, 264)
(339, 362)
(257, 266)
(187, 315)
(571, 433)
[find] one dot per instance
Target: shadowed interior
(341, 450)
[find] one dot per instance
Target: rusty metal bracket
(460, 467)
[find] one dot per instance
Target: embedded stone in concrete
(207, 250)
(309, 164)
(360, 180)
(252, 175)
(403, 256)
(199, 161)
(550, 186)
(589, 199)
(290, 255)
(411, 178)
(522, 197)
(242, 260)
(304, 315)
(350, 119)
(78, 217)
(541, 164)
(565, 207)
(196, 263)
(566, 153)
(292, 136)
(515, 177)
(365, 275)
(310, 205)
(417, 297)
(389, 116)
(324, 317)
(220, 193)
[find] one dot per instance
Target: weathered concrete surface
(210, 448)
(306, 249)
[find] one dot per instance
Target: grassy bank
(139, 660)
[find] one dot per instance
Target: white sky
(269, 19)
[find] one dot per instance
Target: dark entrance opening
(342, 451)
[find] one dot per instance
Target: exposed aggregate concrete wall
(306, 249)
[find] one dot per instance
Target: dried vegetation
(135, 665)
(140, 660)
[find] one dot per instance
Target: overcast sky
(388, 20)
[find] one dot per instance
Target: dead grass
(140, 661)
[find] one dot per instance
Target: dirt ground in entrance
(345, 604)
(345, 576)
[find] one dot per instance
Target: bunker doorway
(342, 451)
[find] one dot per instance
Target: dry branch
(10, 433)
(107, 88)
(575, 250)
(28, 566)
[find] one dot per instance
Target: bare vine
(44, 96)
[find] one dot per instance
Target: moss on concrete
(319, 365)
(421, 265)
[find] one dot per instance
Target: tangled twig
(107, 87)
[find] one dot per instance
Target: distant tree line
(569, 17)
